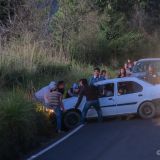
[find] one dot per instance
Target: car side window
(140, 67)
(129, 87)
(106, 90)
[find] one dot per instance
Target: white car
(118, 96)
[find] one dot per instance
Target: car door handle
(110, 99)
(140, 95)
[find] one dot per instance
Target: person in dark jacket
(92, 95)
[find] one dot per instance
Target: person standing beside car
(39, 95)
(105, 74)
(96, 77)
(61, 87)
(92, 94)
(53, 100)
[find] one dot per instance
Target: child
(105, 74)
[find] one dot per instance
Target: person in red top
(122, 73)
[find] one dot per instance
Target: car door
(107, 100)
(128, 95)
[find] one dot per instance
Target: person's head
(122, 72)
(128, 61)
(120, 91)
(103, 73)
(75, 88)
(61, 86)
(83, 82)
(96, 71)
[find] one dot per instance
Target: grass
(21, 125)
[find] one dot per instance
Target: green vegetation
(93, 31)
(40, 43)
(22, 126)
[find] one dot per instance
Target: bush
(21, 126)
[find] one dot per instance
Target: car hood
(70, 103)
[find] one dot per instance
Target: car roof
(118, 80)
(149, 59)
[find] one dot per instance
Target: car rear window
(142, 66)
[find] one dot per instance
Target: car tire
(71, 119)
(147, 110)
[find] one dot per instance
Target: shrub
(21, 126)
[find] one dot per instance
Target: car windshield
(142, 66)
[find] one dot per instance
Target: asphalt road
(134, 139)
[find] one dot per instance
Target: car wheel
(147, 110)
(71, 119)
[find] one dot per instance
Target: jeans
(58, 117)
(88, 105)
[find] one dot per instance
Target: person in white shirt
(40, 95)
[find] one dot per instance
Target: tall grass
(24, 59)
(27, 53)
(21, 126)
(27, 62)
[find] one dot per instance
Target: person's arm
(79, 98)
(62, 106)
(46, 101)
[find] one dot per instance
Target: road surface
(134, 139)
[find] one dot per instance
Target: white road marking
(56, 143)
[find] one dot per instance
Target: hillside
(94, 31)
